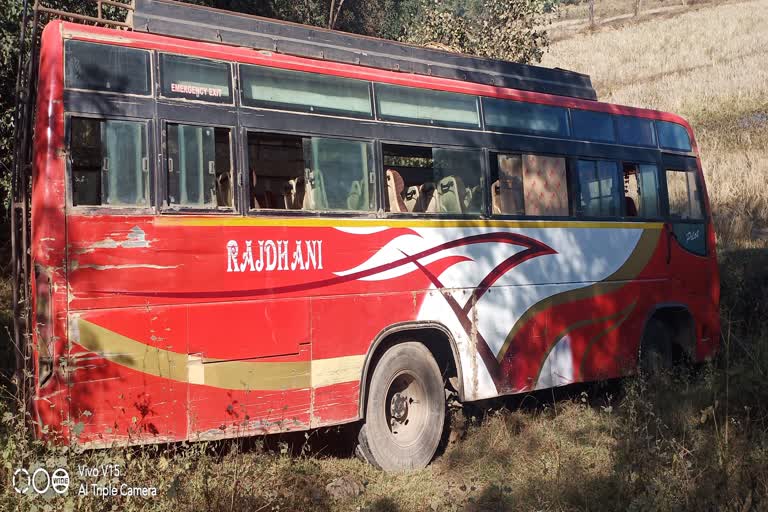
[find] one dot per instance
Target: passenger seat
(496, 197)
(289, 194)
(355, 196)
(450, 195)
(630, 206)
(411, 198)
(395, 186)
(473, 202)
(427, 202)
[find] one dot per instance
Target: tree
(504, 29)
(501, 29)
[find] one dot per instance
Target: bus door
(686, 224)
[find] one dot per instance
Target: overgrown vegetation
(683, 442)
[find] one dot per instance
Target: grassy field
(680, 443)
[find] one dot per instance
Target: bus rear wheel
(656, 355)
(405, 412)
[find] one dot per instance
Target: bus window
(276, 170)
(107, 68)
(433, 180)
(305, 92)
(199, 166)
(598, 188)
(425, 106)
(529, 185)
(594, 126)
(109, 162)
(340, 174)
(673, 136)
(522, 117)
(641, 191)
(290, 172)
(195, 79)
(684, 195)
(636, 131)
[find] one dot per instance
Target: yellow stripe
(338, 369)
(223, 221)
(236, 375)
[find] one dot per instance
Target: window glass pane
(636, 131)
(598, 185)
(545, 186)
(307, 92)
(421, 179)
(685, 201)
(101, 67)
(641, 191)
(457, 180)
(507, 189)
(520, 117)
(595, 126)
(195, 79)
(425, 106)
(86, 154)
(109, 162)
(199, 166)
(530, 185)
(339, 174)
(673, 136)
(126, 163)
(276, 165)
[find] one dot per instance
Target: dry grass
(681, 443)
(707, 65)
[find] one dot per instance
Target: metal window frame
(106, 209)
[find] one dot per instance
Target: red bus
(229, 242)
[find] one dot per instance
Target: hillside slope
(710, 66)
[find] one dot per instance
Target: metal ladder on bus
(112, 13)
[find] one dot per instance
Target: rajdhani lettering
(271, 255)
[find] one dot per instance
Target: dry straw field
(685, 442)
(709, 65)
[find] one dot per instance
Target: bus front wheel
(405, 412)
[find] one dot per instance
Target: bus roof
(169, 17)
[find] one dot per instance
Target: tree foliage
(502, 29)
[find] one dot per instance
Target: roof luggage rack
(194, 22)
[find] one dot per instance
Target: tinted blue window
(596, 126)
(519, 117)
(636, 131)
(673, 136)
(599, 184)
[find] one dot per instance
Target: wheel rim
(406, 409)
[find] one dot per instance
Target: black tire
(656, 356)
(405, 413)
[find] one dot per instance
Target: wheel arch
(678, 318)
(433, 334)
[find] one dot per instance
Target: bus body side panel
(126, 385)
(263, 325)
(343, 329)
(48, 241)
